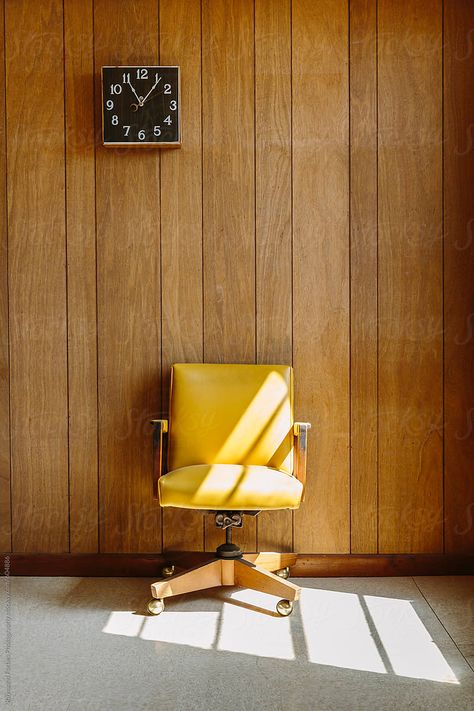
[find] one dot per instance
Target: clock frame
(141, 106)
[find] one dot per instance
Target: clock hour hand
(138, 98)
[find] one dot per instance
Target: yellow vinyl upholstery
(230, 487)
(230, 438)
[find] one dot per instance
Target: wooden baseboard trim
(307, 565)
(357, 565)
(126, 565)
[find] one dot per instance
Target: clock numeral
(141, 135)
(115, 89)
(142, 73)
(167, 89)
(126, 77)
(168, 120)
(157, 130)
(173, 105)
(110, 104)
(115, 120)
(157, 78)
(126, 130)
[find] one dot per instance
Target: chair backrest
(231, 414)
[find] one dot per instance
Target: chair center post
(228, 520)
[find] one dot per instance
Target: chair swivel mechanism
(232, 449)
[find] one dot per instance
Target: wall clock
(141, 106)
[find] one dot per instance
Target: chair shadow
(134, 593)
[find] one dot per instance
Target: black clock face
(140, 105)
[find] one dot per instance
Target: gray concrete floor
(351, 643)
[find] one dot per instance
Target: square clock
(140, 106)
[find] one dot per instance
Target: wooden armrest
(160, 428)
(300, 432)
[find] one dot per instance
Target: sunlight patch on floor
(339, 629)
(337, 632)
(251, 632)
(125, 623)
(195, 629)
(408, 644)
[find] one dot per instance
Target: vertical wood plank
(37, 275)
(321, 267)
(181, 231)
(410, 277)
(81, 273)
(5, 508)
(273, 213)
(228, 194)
(128, 263)
(459, 276)
(363, 220)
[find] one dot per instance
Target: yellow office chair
(233, 449)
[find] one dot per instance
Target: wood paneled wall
(319, 212)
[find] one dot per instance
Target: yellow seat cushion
(229, 487)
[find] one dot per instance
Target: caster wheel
(283, 573)
(155, 606)
(167, 571)
(284, 608)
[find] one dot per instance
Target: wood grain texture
(321, 267)
(248, 576)
(228, 195)
(81, 276)
(37, 275)
(199, 578)
(273, 214)
(410, 277)
(270, 560)
(181, 232)
(5, 507)
(128, 264)
(356, 565)
(228, 175)
(459, 276)
(363, 235)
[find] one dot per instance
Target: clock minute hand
(154, 85)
